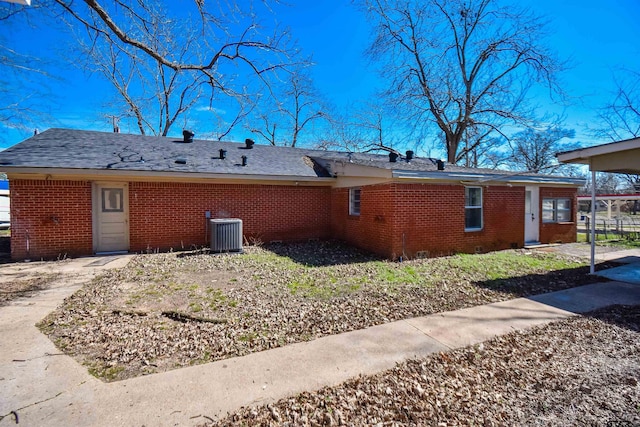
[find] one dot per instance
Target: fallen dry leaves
(118, 324)
(580, 371)
(20, 288)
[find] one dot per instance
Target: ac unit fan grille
(226, 235)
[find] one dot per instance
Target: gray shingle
(76, 149)
(90, 150)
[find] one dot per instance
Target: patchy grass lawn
(601, 240)
(165, 311)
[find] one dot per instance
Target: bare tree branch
(160, 59)
(461, 64)
(297, 106)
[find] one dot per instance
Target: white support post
(593, 222)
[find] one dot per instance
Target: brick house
(83, 192)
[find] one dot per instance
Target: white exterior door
(110, 217)
(531, 213)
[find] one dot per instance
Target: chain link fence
(616, 228)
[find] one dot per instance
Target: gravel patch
(165, 311)
(580, 371)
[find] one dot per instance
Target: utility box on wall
(226, 235)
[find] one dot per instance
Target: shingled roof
(91, 151)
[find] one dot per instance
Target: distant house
(80, 192)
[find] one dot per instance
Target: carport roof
(618, 157)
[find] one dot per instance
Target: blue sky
(597, 36)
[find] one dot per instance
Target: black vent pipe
(249, 142)
(393, 157)
(187, 135)
(244, 160)
(440, 164)
(409, 155)
(223, 154)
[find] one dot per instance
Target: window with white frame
(556, 210)
(354, 201)
(472, 208)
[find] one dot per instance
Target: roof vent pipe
(249, 143)
(409, 155)
(244, 160)
(188, 135)
(440, 164)
(223, 154)
(393, 157)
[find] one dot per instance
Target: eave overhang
(119, 174)
(482, 178)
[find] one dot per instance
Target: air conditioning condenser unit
(226, 235)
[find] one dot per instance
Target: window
(472, 208)
(112, 200)
(556, 210)
(354, 201)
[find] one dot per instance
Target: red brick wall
(435, 224)
(395, 219)
(564, 232)
(53, 216)
(57, 215)
(373, 228)
(407, 219)
(172, 215)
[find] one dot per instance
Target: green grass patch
(602, 240)
(395, 274)
(216, 297)
(306, 286)
(106, 373)
(271, 259)
(508, 264)
(382, 276)
(248, 337)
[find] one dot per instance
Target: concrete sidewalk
(46, 388)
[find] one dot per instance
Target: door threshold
(538, 245)
(111, 253)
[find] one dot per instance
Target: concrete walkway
(46, 388)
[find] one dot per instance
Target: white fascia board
(103, 173)
(22, 2)
(352, 170)
(612, 197)
(583, 155)
(507, 178)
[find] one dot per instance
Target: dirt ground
(581, 371)
(165, 311)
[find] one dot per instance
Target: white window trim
(352, 202)
(475, 207)
(555, 210)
